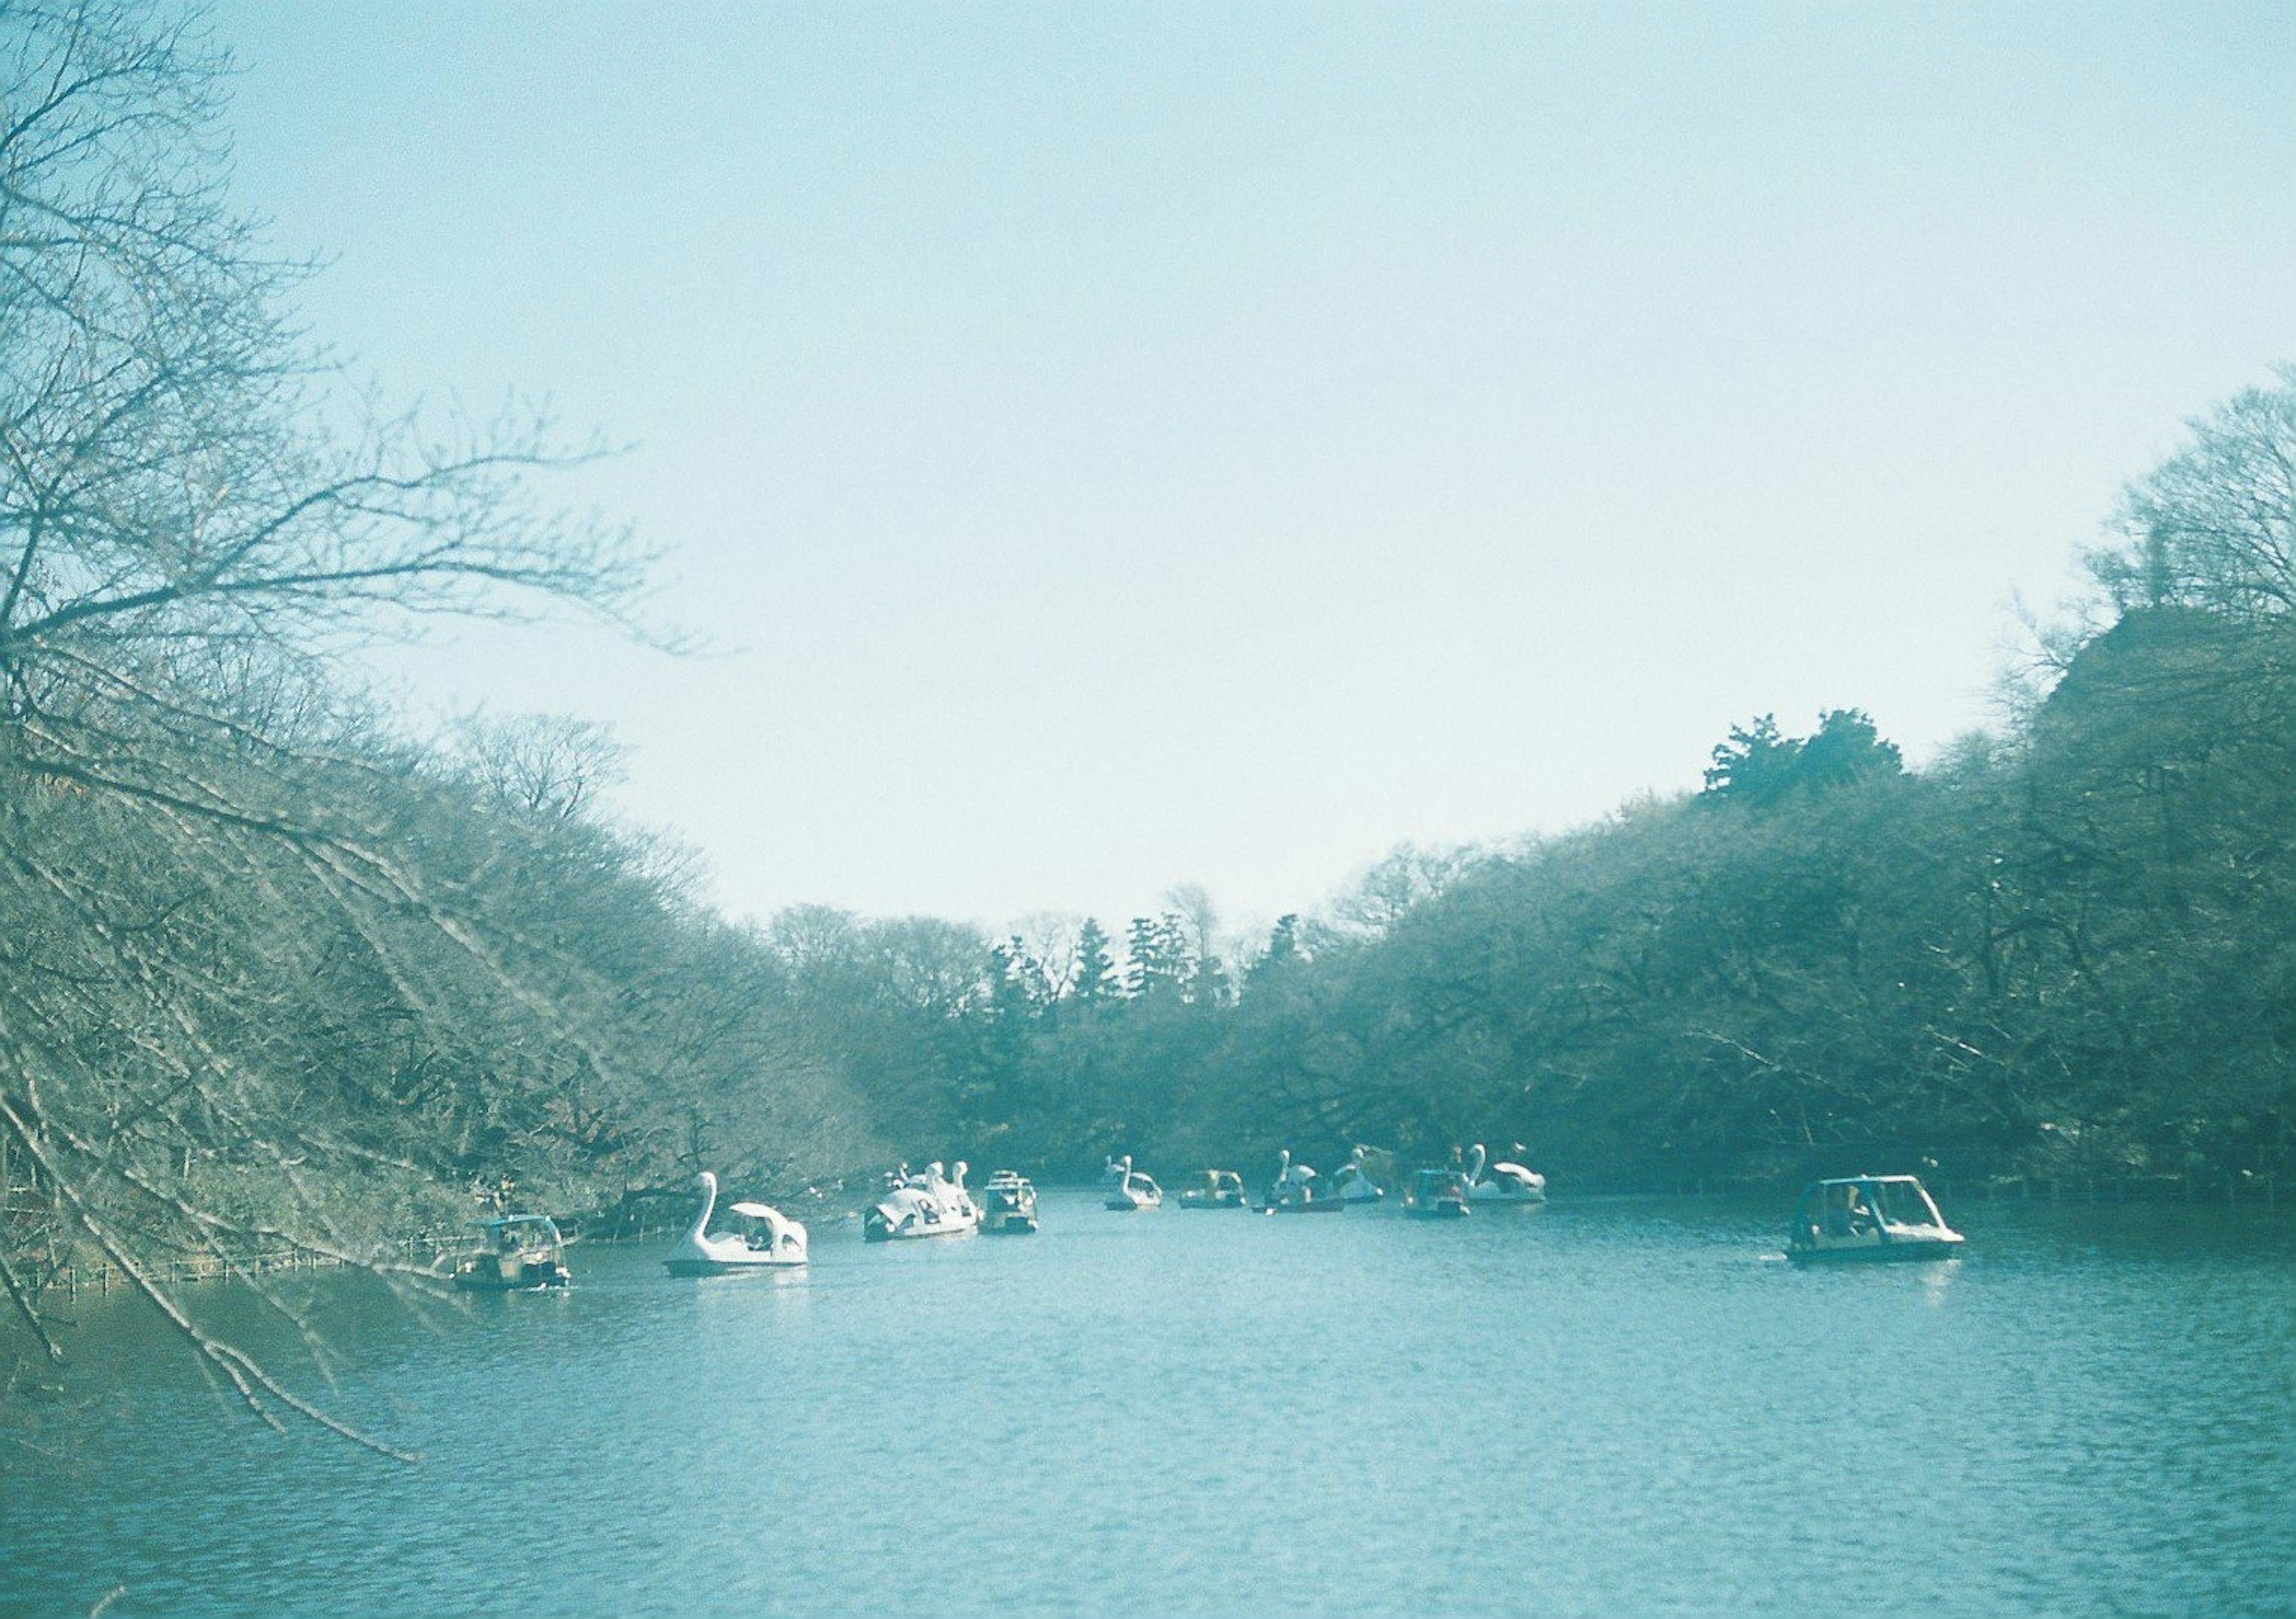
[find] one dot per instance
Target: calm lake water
(1628, 1407)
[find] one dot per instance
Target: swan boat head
(707, 1183)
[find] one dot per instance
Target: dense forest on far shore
(276, 976)
(2067, 952)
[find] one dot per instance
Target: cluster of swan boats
(1296, 1188)
(1854, 1219)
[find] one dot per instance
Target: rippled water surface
(1604, 1408)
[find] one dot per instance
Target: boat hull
(874, 1235)
(876, 1230)
(479, 1282)
(727, 1267)
(1902, 1251)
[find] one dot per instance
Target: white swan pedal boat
(759, 1237)
(1507, 1183)
(1294, 1191)
(1354, 1183)
(926, 1205)
(1134, 1189)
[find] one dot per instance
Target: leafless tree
(230, 964)
(2214, 525)
(544, 764)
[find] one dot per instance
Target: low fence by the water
(102, 1275)
(2233, 1190)
(2236, 1191)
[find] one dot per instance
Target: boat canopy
(755, 1211)
(506, 1222)
(1896, 1202)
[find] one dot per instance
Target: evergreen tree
(1161, 960)
(1280, 955)
(1095, 978)
(1755, 764)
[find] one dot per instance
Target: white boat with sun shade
(1008, 1206)
(1869, 1218)
(523, 1253)
(1216, 1188)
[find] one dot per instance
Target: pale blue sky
(1203, 443)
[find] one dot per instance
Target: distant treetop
(1761, 765)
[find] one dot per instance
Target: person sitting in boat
(1850, 1214)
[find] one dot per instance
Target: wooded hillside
(2062, 950)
